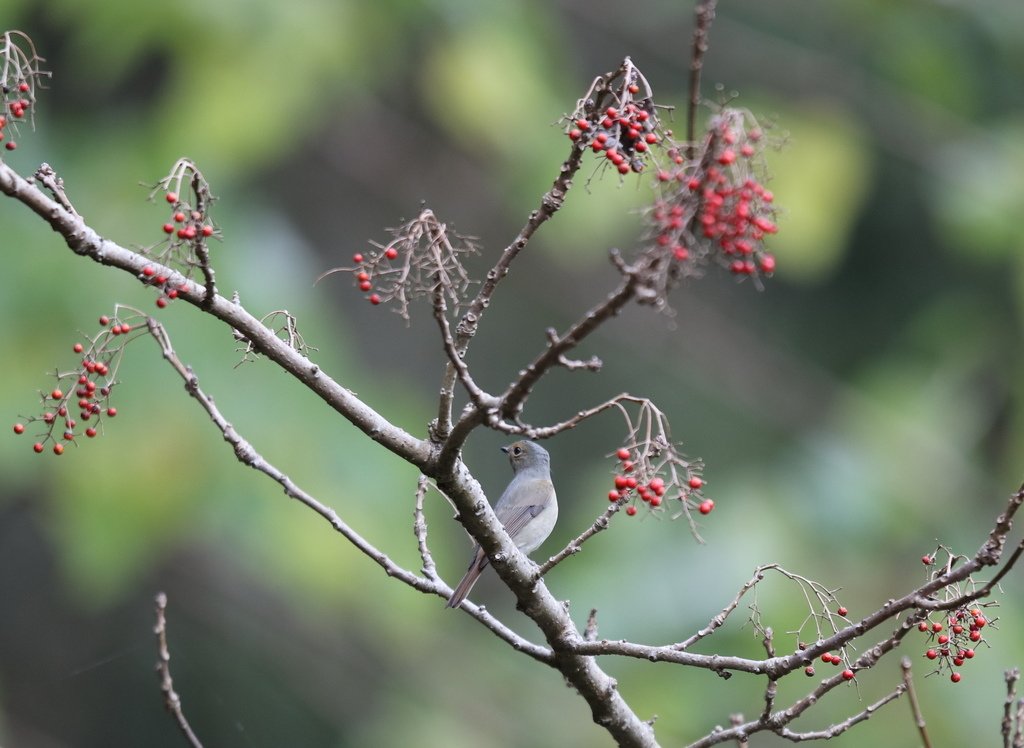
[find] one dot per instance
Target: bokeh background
(866, 405)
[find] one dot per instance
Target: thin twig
(419, 528)
(915, 706)
(704, 15)
(576, 544)
(171, 699)
(1011, 725)
(514, 398)
(550, 203)
(483, 401)
(840, 727)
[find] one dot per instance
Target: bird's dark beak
(504, 449)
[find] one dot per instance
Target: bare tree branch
(704, 15)
(915, 707)
(576, 544)
(163, 666)
(419, 528)
(84, 241)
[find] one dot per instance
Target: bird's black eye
(516, 451)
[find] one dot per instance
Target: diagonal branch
(514, 398)
(576, 544)
(83, 240)
(247, 455)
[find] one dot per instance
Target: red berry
(10, 145)
(374, 299)
(104, 320)
(621, 482)
(827, 657)
(936, 627)
(943, 639)
(842, 611)
(630, 510)
(78, 348)
(627, 466)
(172, 197)
(955, 677)
(583, 124)
(56, 394)
(179, 217)
(125, 329)
(922, 626)
(931, 654)
(613, 496)
(37, 447)
(391, 253)
(207, 230)
(767, 265)
(19, 428)
(111, 412)
(58, 448)
(90, 432)
(574, 134)
(847, 674)
(706, 506)
(655, 501)
(969, 654)
(172, 293)
(622, 454)
(148, 271)
(365, 285)
(161, 302)
(695, 482)
(727, 156)
(633, 88)
(168, 228)
(23, 86)
(357, 258)
(975, 636)
(809, 671)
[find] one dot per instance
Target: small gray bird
(528, 509)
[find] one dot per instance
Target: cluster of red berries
(185, 224)
(624, 135)
(169, 293)
(718, 206)
(15, 106)
(831, 659)
(955, 642)
(93, 382)
(367, 268)
(652, 491)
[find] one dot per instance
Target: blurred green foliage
(863, 407)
